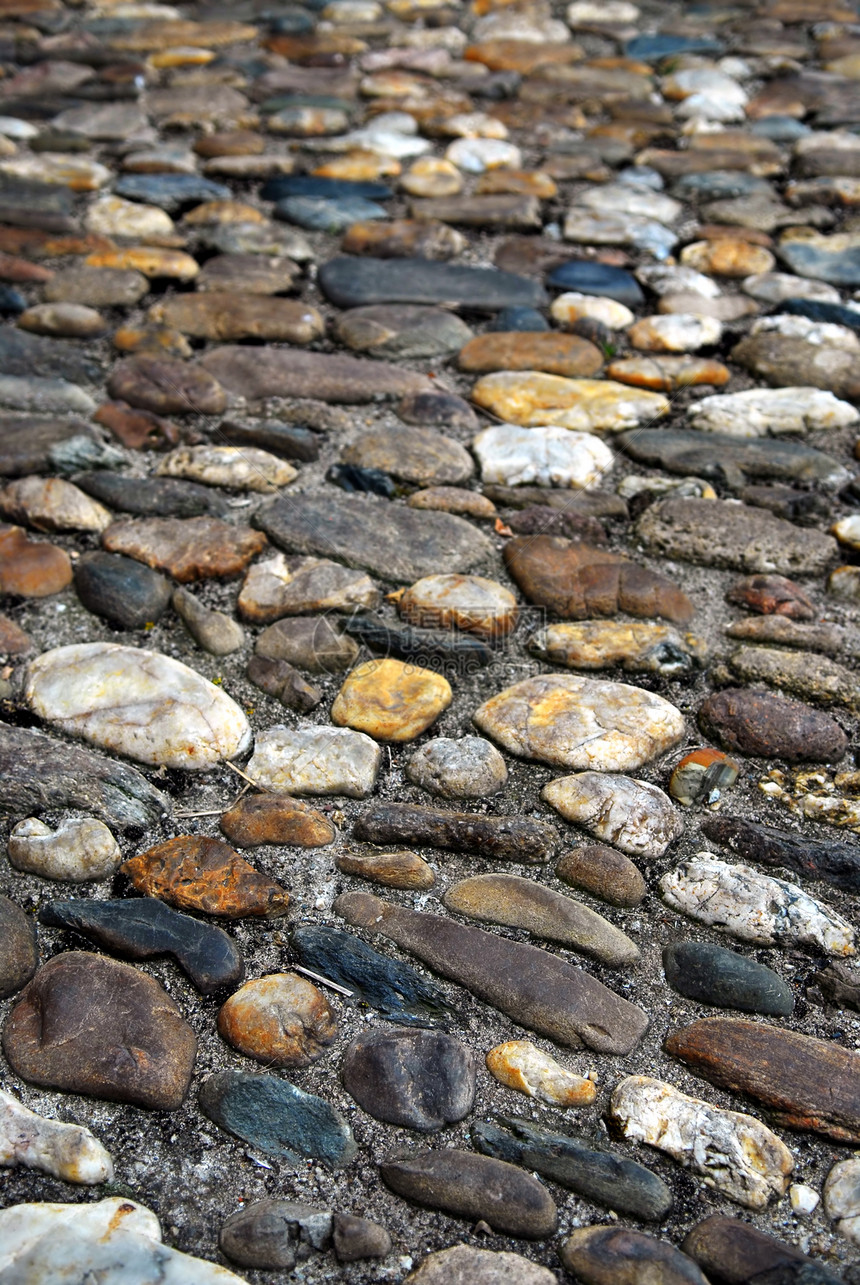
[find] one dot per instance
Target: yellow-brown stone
(471, 603)
(540, 350)
(532, 398)
(393, 869)
(150, 260)
(521, 1065)
(360, 167)
(453, 499)
(223, 212)
(282, 1020)
(390, 700)
(727, 257)
(517, 182)
(665, 374)
(276, 818)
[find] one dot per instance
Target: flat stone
(391, 869)
(183, 720)
(769, 726)
(470, 603)
(736, 1249)
(193, 872)
(390, 700)
(135, 429)
(764, 412)
(772, 595)
(74, 1020)
(225, 315)
(464, 768)
(754, 907)
(313, 760)
(635, 816)
(240, 468)
(41, 774)
(815, 678)
(143, 927)
(828, 639)
(28, 441)
(403, 239)
(437, 410)
(64, 321)
(283, 586)
(533, 399)
(396, 989)
(734, 1153)
(549, 456)
(786, 360)
(418, 455)
(270, 1233)
(621, 1256)
(97, 287)
(252, 274)
(402, 331)
(170, 192)
(282, 1020)
(44, 396)
(521, 1065)
(540, 991)
(474, 1187)
(312, 643)
(66, 1151)
(81, 848)
(551, 352)
(415, 1079)
(13, 640)
(587, 277)
(805, 1083)
(528, 905)
(255, 374)
(603, 1177)
(577, 581)
(830, 860)
(675, 332)
(320, 213)
(835, 259)
(353, 282)
(574, 306)
(29, 568)
(718, 533)
(462, 1263)
(711, 974)
(634, 648)
(122, 591)
(51, 505)
(356, 1239)
(731, 460)
(186, 548)
(504, 838)
(113, 216)
(293, 442)
(266, 818)
(604, 873)
(667, 374)
(166, 386)
(275, 1117)
(21, 952)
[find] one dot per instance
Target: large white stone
(823, 334)
(551, 456)
(755, 907)
(587, 227)
(673, 279)
(315, 760)
(772, 412)
(138, 703)
(66, 1151)
(80, 848)
(735, 1153)
(113, 1242)
(842, 1197)
(634, 816)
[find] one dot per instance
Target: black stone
(836, 314)
(141, 927)
(430, 648)
(171, 192)
(589, 277)
(275, 189)
(24, 354)
(525, 319)
(120, 590)
(275, 1117)
(714, 975)
(39, 774)
(351, 282)
(728, 460)
(288, 440)
(833, 860)
(601, 1176)
(397, 990)
(12, 302)
(364, 481)
(163, 497)
(506, 838)
(417, 1079)
(19, 957)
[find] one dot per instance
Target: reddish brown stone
(771, 596)
(540, 519)
(282, 1020)
(524, 56)
(577, 581)
(30, 569)
(193, 872)
(769, 726)
(87, 1024)
(549, 351)
(238, 142)
(166, 386)
(13, 640)
(22, 270)
(392, 869)
(137, 429)
(276, 818)
(48, 245)
(187, 548)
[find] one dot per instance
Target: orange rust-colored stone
(31, 569)
(193, 872)
(137, 429)
(548, 351)
(276, 818)
(282, 1020)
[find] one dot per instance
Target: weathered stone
(256, 374)
(471, 603)
(702, 775)
(97, 287)
(765, 412)
(814, 678)
(474, 1187)
(31, 569)
(621, 1256)
(453, 499)
(353, 282)
(806, 1083)
(403, 239)
(503, 838)
(769, 726)
(772, 595)
(711, 974)
(734, 1153)
(166, 386)
(549, 456)
(787, 359)
(402, 331)
(733, 461)
(294, 442)
(755, 907)
(840, 1198)
(556, 354)
(228, 315)
(282, 1020)
(270, 1233)
(416, 1079)
(65, 1151)
(75, 1022)
(63, 321)
(244, 468)
(192, 872)
(81, 848)
(604, 873)
(521, 1065)
(541, 912)
(390, 700)
(827, 859)
(187, 548)
(358, 1238)
(391, 869)
(139, 703)
(315, 760)
(414, 455)
(540, 991)
(718, 533)
(666, 374)
(270, 818)
(462, 1263)
(533, 399)
(214, 631)
(635, 816)
(282, 681)
(275, 1117)
(639, 648)
(466, 768)
(311, 642)
(733, 1250)
(21, 951)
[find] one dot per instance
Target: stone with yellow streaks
(152, 261)
(644, 647)
(390, 700)
(472, 603)
(521, 1065)
(533, 399)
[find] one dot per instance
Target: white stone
(610, 11)
(819, 333)
(53, 167)
(511, 24)
(583, 724)
(475, 155)
(632, 815)
(773, 287)
(14, 127)
(44, 395)
(137, 703)
(570, 307)
(114, 217)
(293, 586)
(242, 468)
(589, 228)
(671, 279)
(755, 907)
(521, 1065)
(550, 456)
(113, 1241)
(466, 768)
(803, 1199)
(81, 848)
(847, 531)
(66, 1151)
(315, 760)
(735, 1153)
(52, 504)
(772, 412)
(474, 125)
(676, 332)
(842, 1198)
(837, 140)
(629, 199)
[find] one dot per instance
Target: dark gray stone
(416, 1079)
(124, 592)
(351, 282)
(731, 460)
(505, 838)
(172, 192)
(715, 975)
(26, 440)
(268, 1233)
(22, 353)
(153, 496)
(288, 440)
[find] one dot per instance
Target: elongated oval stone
(65, 1151)
(732, 1250)
(713, 975)
(524, 903)
(471, 1186)
(832, 860)
(500, 837)
(138, 703)
(806, 1083)
(536, 989)
(621, 1256)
